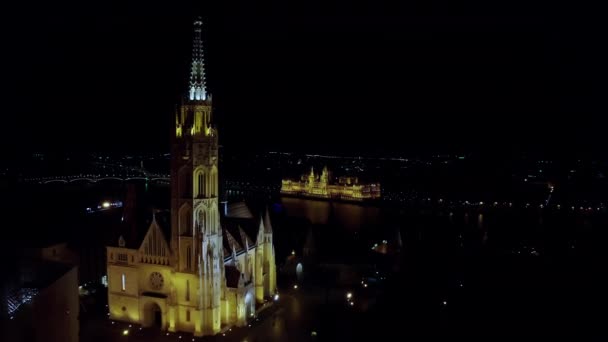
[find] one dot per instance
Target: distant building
(321, 186)
(39, 297)
(194, 270)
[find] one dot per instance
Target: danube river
(478, 272)
(530, 231)
(484, 271)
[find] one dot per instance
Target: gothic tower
(181, 276)
(196, 235)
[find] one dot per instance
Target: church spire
(197, 89)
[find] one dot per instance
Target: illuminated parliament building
(321, 186)
(194, 270)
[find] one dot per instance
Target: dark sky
(423, 76)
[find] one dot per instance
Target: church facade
(205, 274)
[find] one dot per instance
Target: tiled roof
(238, 210)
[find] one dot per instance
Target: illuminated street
(297, 316)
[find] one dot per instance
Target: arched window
(189, 258)
(202, 217)
(185, 220)
(201, 181)
(185, 183)
(211, 221)
(213, 182)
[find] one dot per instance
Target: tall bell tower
(196, 235)
(190, 282)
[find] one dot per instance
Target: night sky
(420, 77)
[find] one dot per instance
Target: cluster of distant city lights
(241, 187)
(585, 207)
(95, 178)
(18, 298)
(105, 206)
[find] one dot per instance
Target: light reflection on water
(348, 215)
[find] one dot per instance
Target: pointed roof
(267, 225)
(233, 244)
(235, 260)
(155, 243)
(261, 230)
(245, 240)
(242, 219)
(197, 87)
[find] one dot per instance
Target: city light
(125, 332)
(349, 295)
(276, 297)
(105, 204)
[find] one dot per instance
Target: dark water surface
(517, 274)
(491, 274)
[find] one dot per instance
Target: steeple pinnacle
(197, 89)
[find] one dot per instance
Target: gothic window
(188, 290)
(123, 281)
(187, 315)
(210, 221)
(202, 216)
(202, 183)
(185, 220)
(185, 183)
(213, 183)
(189, 258)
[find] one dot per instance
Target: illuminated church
(196, 270)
